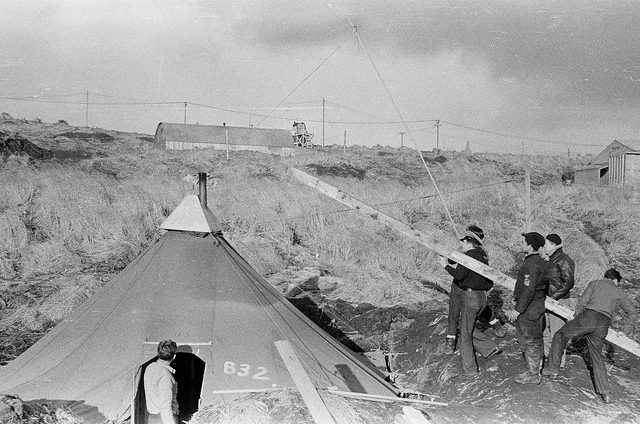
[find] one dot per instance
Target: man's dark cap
(533, 239)
(555, 239)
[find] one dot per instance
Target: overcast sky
(562, 71)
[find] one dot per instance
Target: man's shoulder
(477, 253)
(605, 285)
(564, 257)
(534, 261)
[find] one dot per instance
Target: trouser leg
(474, 302)
(553, 324)
(530, 337)
(455, 304)
(595, 341)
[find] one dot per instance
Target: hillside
(79, 204)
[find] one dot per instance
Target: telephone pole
(402, 133)
(86, 111)
(185, 112)
(323, 106)
(437, 135)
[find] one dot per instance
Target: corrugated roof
(219, 134)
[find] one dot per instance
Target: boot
(532, 376)
(450, 345)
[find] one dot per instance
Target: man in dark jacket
(560, 274)
(467, 299)
(528, 311)
(594, 311)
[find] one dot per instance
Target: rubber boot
(532, 375)
(450, 345)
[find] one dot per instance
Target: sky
(516, 76)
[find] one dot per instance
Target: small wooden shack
(617, 165)
(223, 137)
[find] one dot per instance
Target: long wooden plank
(305, 386)
(615, 337)
(382, 398)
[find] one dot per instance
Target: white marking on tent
(308, 391)
(243, 370)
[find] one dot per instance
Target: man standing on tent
(560, 273)
(160, 386)
(528, 311)
(467, 298)
(594, 310)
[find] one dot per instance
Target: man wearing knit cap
(467, 299)
(560, 274)
(528, 312)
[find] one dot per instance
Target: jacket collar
(557, 253)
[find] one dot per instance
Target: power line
(378, 120)
(519, 137)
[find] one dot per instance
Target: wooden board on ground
(305, 386)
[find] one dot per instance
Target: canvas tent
(192, 287)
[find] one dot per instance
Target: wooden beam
(305, 386)
(382, 398)
(615, 337)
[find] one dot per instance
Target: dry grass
(287, 407)
(68, 227)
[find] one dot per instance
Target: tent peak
(190, 215)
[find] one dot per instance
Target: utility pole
(402, 133)
(250, 116)
(527, 190)
(344, 145)
(323, 106)
(185, 112)
(86, 111)
(437, 135)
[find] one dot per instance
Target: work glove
(511, 314)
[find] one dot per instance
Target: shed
(223, 137)
(617, 165)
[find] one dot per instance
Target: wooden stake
(615, 337)
(305, 386)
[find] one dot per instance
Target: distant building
(617, 165)
(467, 149)
(223, 137)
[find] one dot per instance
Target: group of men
(546, 271)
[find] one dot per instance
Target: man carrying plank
(528, 312)
(594, 310)
(468, 297)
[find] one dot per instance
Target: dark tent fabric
(201, 293)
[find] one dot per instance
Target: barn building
(617, 165)
(223, 137)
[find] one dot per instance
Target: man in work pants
(455, 296)
(594, 310)
(468, 292)
(560, 272)
(528, 311)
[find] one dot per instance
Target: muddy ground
(408, 342)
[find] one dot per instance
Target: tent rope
(404, 124)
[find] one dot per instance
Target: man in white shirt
(160, 386)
